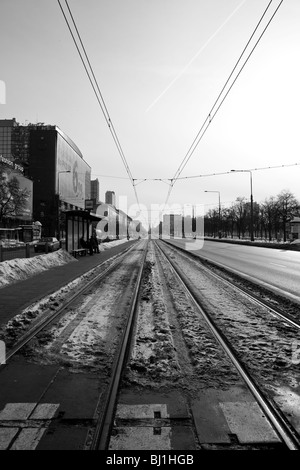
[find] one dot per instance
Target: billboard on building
(73, 175)
(25, 184)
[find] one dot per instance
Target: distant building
(295, 228)
(95, 190)
(14, 141)
(110, 198)
(172, 225)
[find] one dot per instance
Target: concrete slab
(211, 424)
(45, 411)
(153, 422)
(17, 411)
(174, 401)
(141, 438)
(220, 414)
(6, 436)
(63, 437)
(23, 382)
(142, 411)
(77, 395)
(248, 422)
(28, 439)
(182, 438)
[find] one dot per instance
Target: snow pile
(106, 245)
(20, 269)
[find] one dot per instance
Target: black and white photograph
(150, 228)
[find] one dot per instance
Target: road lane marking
(279, 265)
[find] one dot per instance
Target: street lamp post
(219, 227)
(58, 201)
(251, 200)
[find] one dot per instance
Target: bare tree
(269, 215)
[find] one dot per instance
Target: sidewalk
(16, 297)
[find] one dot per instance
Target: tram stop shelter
(79, 223)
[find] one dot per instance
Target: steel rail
(38, 327)
(284, 430)
(104, 425)
(263, 303)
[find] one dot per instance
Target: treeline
(270, 218)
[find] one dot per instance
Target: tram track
(288, 435)
(223, 276)
(161, 353)
(186, 373)
(46, 347)
(50, 316)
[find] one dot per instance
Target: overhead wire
(99, 95)
(230, 172)
(212, 114)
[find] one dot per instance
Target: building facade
(295, 229)
(95, 191)
(53, 164)
(13, 172)
(110, 198)
(61, 178)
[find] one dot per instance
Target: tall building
(61, 177)
(110, 198)
(14, 141)
(11, 167)
(95, 190)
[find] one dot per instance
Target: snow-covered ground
(20, 269)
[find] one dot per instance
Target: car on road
(52, 243)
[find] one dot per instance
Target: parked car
(52, 242)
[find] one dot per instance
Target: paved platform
(19, 295)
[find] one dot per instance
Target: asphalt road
(279, 269)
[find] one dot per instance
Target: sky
(160, 66)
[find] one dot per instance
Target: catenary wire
(211, 116)
(100, 101)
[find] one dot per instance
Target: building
(95, 190)
(295, 228)
(14, 142)
(53, 163)
(12, 169)
(110, 198)
(61, 177)
(172, 225)
(115, 224)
